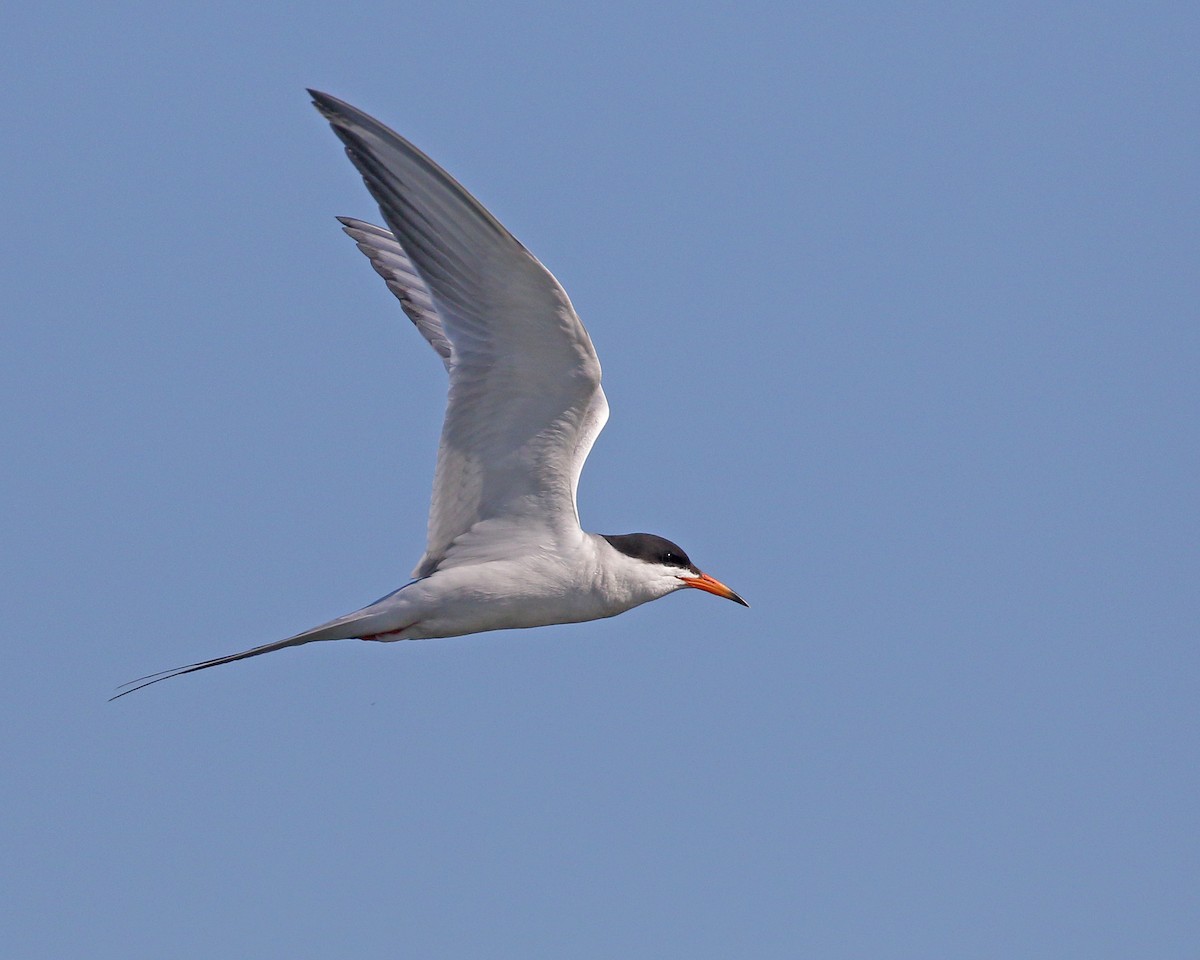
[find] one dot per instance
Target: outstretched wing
(525, 403)
(392, 263)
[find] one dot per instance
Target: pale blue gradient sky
(898, 311)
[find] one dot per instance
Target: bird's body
(563, 582)
(504, 547)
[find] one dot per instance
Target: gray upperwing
(392, 263)
(523, 374)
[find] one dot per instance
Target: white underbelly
(501, 595)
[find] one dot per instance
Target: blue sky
(897, 309)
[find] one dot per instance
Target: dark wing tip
(336, 111)
(339, 112)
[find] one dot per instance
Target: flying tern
(504, 548)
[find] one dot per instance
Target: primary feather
(525, 403)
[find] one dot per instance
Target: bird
(504, 547)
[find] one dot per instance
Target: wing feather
(525, 403)
(392, 263)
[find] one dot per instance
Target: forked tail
(341, 629)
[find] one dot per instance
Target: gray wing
(525, 403)
(392, 263)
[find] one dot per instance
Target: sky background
(897, 305)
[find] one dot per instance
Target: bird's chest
(506, 595)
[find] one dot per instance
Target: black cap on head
(652, 549)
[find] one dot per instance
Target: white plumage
(504, 546)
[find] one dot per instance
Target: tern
(504, 547)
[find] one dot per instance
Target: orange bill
(711, 585)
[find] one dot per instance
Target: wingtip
(350, 224)
(326, 105)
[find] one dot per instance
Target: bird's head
(668, 564)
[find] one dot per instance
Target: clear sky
(897, 305)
